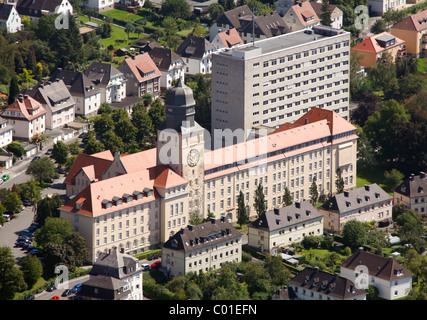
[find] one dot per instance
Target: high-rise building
(277, 80)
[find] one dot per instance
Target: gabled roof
(142, 67)
(28, 7)
(305, 13)
(101, 73)
(78, 83)
(5, 10)
(269, 25)
(163, 57)
(194, 47)
(334, 9)
(372, 43)
(51, 93)
(415, 22)
(195, 238)
(381, 267)
(413, 186)
(114, 264)
(27, 106)
(232, 17)
(357, 198)
(230, 38)
(325, 283)
(168, 178)
(286, 216)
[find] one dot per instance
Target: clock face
(193, 157)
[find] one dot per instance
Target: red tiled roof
(415, 22)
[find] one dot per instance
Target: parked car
(31, 297)
(5, 177)
(6, 216)
(26, 202)
(36, 158)
(156, 264)
(26, 232)
(48, 152)
(54, 298)
(145, 267)
(66, 293)
(76, 288)
(1, 181)
(51, 287)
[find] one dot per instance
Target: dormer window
(106, 204)
(137, 195)
(127, 198)
(117, 201)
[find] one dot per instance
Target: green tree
(13, 203)
(365, 153)
(60, 152)
(325, 17)
(55, 230)
(354, 234)
(176, 8)
(32, 269)
(129, 28)
(314, 193)
(13, 89)
(259, 200)
(31, 191)
(16, 148)
(142, 121)
(93, 146)
(379, 26)
(393, 178)
(339, 182)
(113, 142)
(287, 197)
(157, 113)
(11, 277)
(242, 216)
(170, 25)
(40, 169)
(48, 208)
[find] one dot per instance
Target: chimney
(190, 227)
(213, 220)
(367, 187)
(411, 177)
(297, 205)
(276, 211)
(223, 219)
(422, 175)
(346, 194)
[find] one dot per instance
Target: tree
(176, 8)
(31, 191)
(55, 230)
(259, 200)
(11, 277)
(60, 152)
(339, 182)
(157, 113)
(368, 105)
(287, 198)
(170, 25)
(93, 146)
(365, 153)
(242, 216)
(215, 10)
(40, 169)
(13, 203)
(325, 17)
(32, 269)
(393, 178)
(129, 28)
(379, 26)
(16, 148)
(13, 89)
(142, 121)
(354, 234)
(48, 208)
(314, 193)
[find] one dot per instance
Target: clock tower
(180, 143)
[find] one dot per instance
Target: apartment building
(202, 248)
(378, 7)
(365, 204)
(277, 80)
(281, 227)
(412, 193)
(136, 202)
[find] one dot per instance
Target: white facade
(13, 23)
(175, 72)
(89, 104)
(381, 6)
(101, 5)
(195, 66)
(116, 89)
(6, 133)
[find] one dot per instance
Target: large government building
(136, 202)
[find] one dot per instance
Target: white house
(227, 39)
(101, 5)
(391, 279)
(9, 18)
(6, 133)
(35, 9)
(196, 53)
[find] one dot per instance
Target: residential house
(230, 19)
(283, 226)
(56, 100)
(86, 95)
(365, 204)
(6, 133)
(170, 64)
(202, 248)
(336, 13)
(413, 30)
(391, 279)
(26, 116)
(264, 26)
(9, 18)
(300, 16)
(100, 5)
(412, 193)
(196, 53)
(373, 49)
(142, 75)
(227, 39)
(35, 9)
(314, 284)
(114, 276)
(378, 7)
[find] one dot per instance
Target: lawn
(122, 15)
(119, 38)
(372, 175)
(422, 65)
